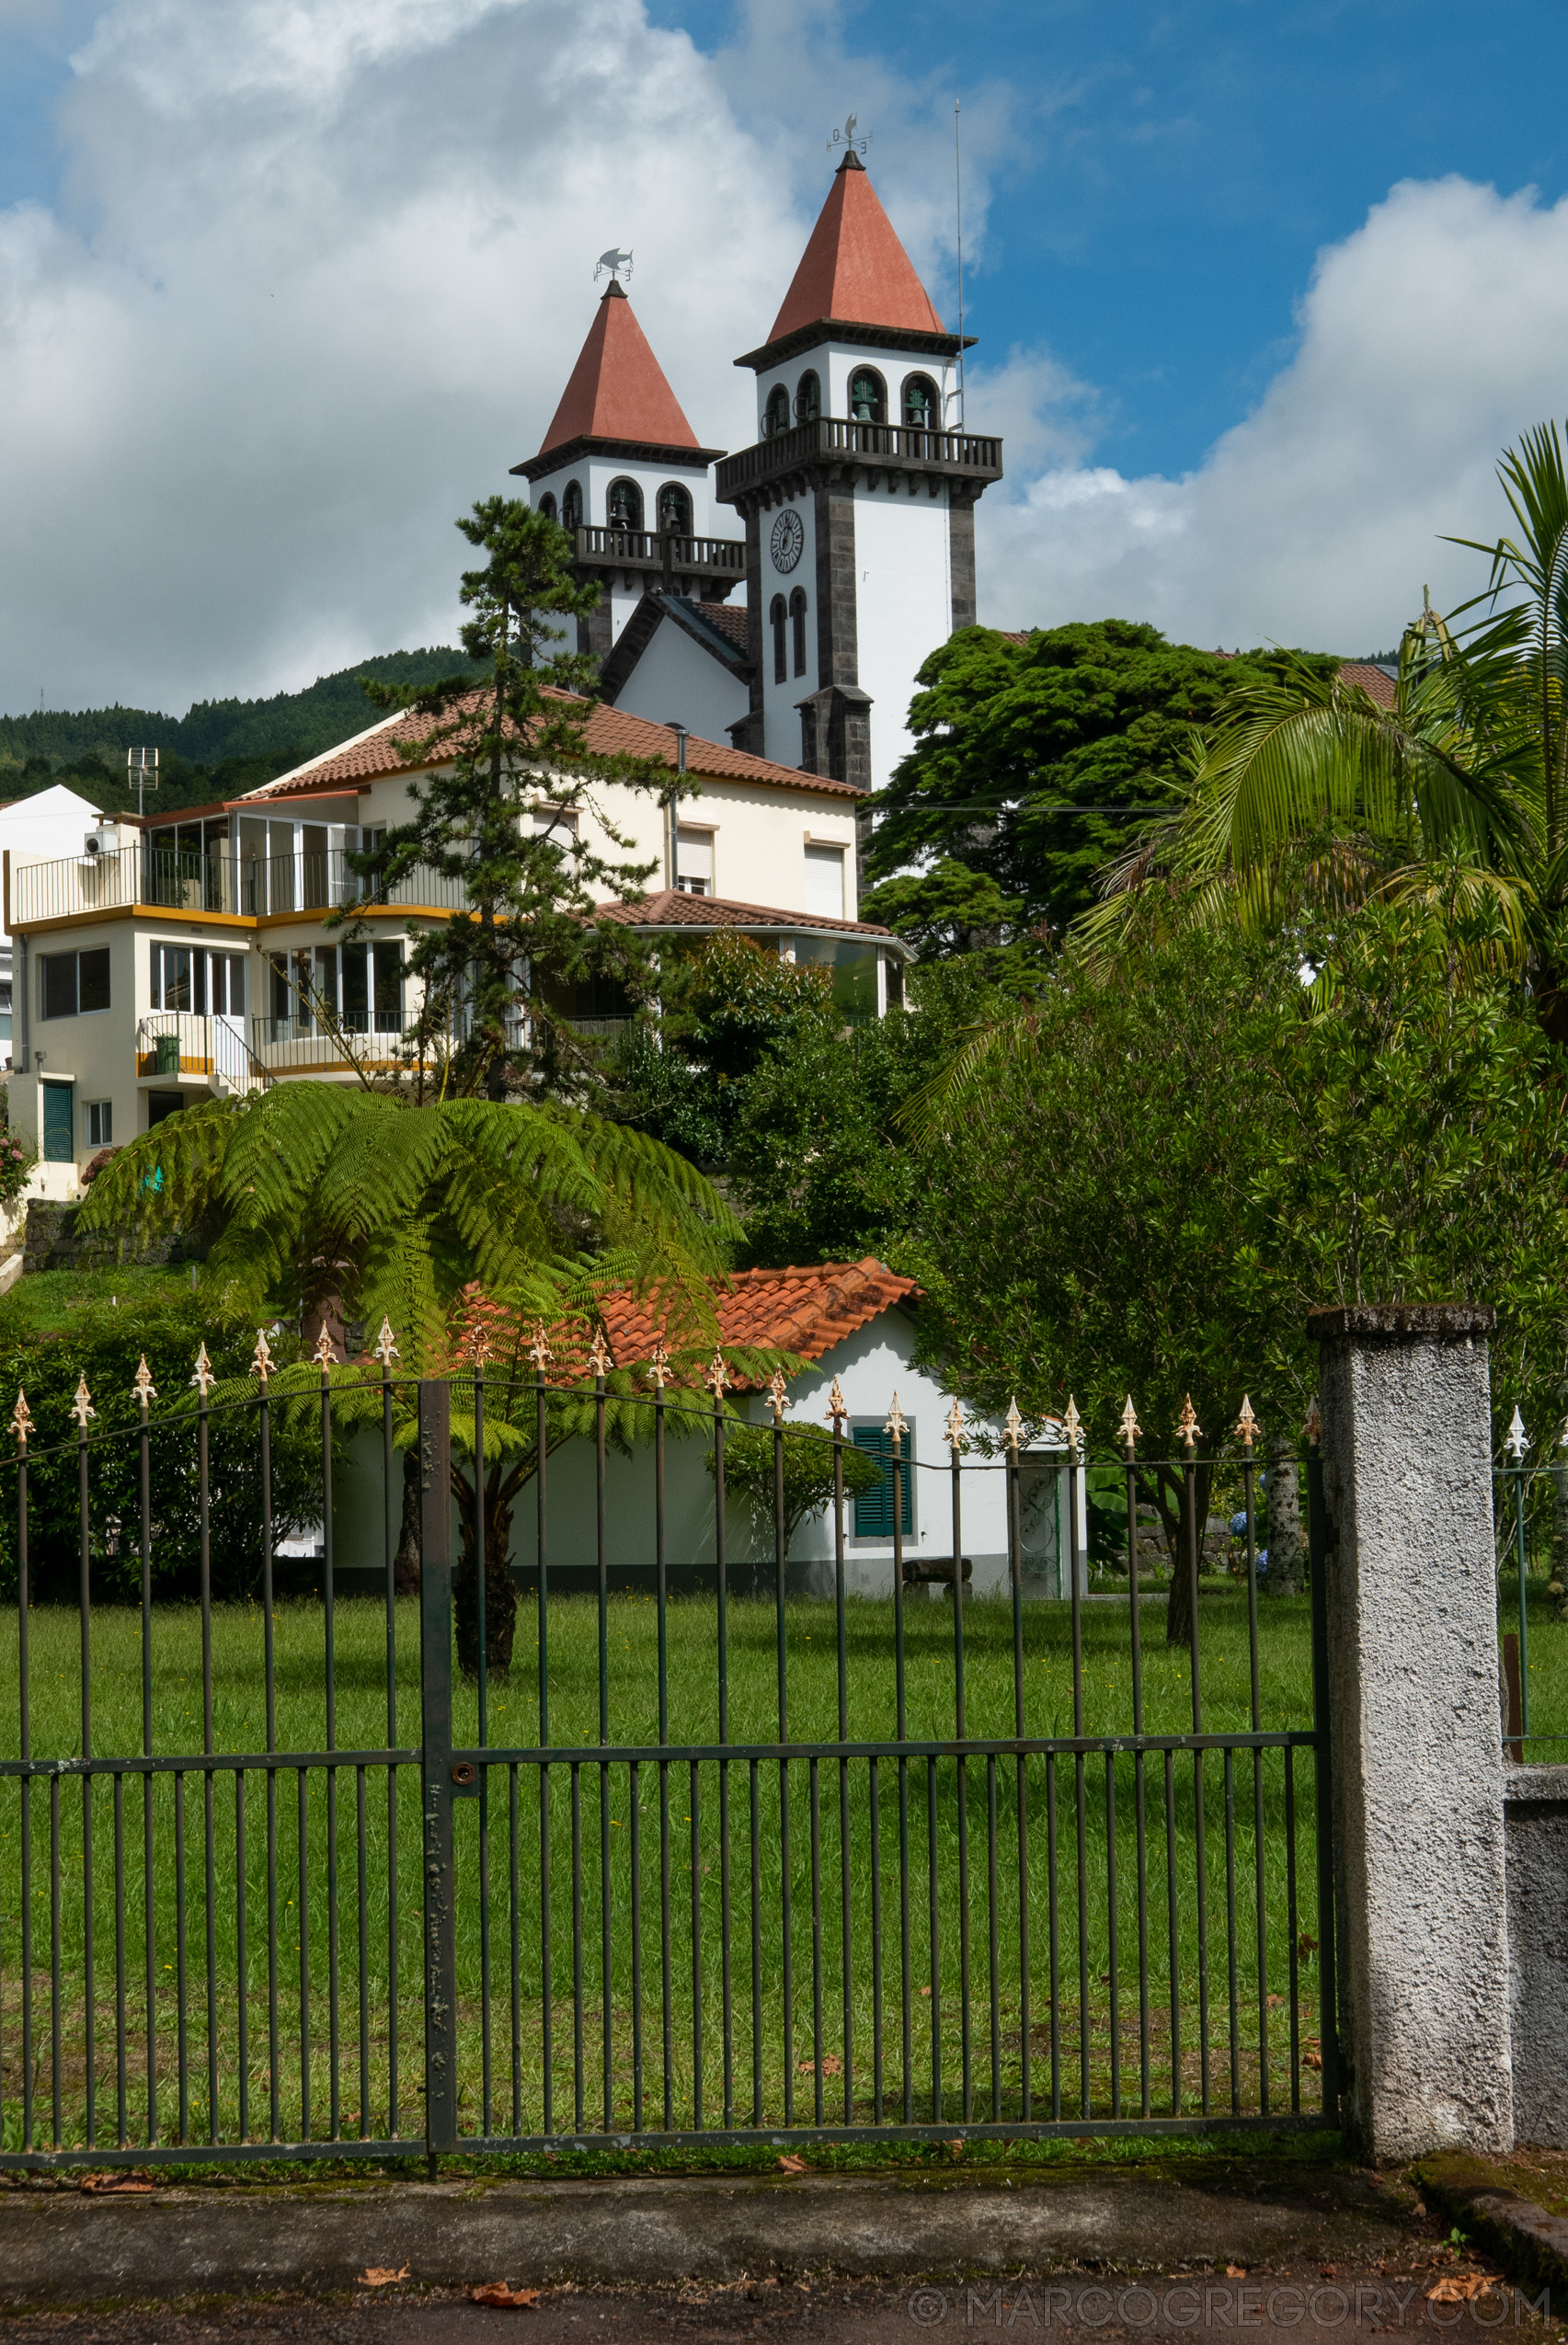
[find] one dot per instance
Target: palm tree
(1312, 789)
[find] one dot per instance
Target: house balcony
(143, 878)
(719, 559)
(176, 1049)
(967, 457)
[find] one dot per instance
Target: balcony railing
(723, 557)
(961, 455)
(251, 886)
(172, 1043)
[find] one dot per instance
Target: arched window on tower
(571, 506)
(922, 405)
(868, 396)
(624, 506)
(674, 510)
(777, 614)
(775, 416)
(547, 506)
(798, 628)
(809, 398)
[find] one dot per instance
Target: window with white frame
(824, 880)
(693, 859)
(100, 1123)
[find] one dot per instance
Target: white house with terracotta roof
(177, 958)
(856, 504)
(852, 1322)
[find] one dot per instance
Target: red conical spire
(854, 268)
(618, 389)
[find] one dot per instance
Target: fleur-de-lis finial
(539, 1351)
(324, 1354)
(1072, 1426)
(21, 1419)
(261, 1358)
(955, 1428)
(599, 1357)
(896, 1422)
(143, 1388)
(479, 1346)
(82, 1407)
(717, 1377)
(659, 1367)
(777, 1387)
(1517, 1440)
(1189, 1432)
(1013, 1424)
(386, 1350)
(838, 1407)
(1129, 1427)
(204, 1380)
(1247, 1424)
(1313, 1430)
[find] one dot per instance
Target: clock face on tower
(789, 539)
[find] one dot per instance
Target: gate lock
(465, 1777)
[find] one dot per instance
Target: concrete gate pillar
(1415, 1742)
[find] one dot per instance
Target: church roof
(854, 268)
(617, 389)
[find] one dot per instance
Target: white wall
(676, 677)
(593, 475)
(905, 605)
(834, 364)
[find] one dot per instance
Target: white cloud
(1428, 340)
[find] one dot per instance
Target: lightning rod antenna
(958, 209)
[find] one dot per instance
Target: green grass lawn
(942, 1953)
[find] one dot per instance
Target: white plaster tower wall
(904, 603)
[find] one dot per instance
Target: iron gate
(719, 1867)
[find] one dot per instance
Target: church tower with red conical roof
(858, 499)
(620, 467)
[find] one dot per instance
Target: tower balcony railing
(966, 455)
(702, 557)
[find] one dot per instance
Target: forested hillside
(216, 749)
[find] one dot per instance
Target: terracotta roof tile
(732, 619)
(617, 389)
(1377, 685)
(609, 732)
(854, 268)
(801, 1311)
(672, 908)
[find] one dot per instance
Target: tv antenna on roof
(846, 137)
(613, 263)
(142, 765)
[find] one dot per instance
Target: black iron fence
(1530, 1512)
(278, 1877)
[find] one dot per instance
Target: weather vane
(613, 263)
(846, 137)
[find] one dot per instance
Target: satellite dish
(613, 263)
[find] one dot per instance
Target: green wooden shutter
(874, 1513)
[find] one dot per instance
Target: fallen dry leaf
(1235, 2272)
(498, 2291)
(380, 2275)
(831, 2064)
(1312, 2060)
(793, 2165)
(1274, 2001)
(101, 2184)
(1328, 2271)
(1459, 2289)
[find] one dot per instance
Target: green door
(59, 1123)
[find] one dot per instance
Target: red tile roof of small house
(854, 268)
(674, 907)
(1376, 682)
(805, 1310)
(617, 389)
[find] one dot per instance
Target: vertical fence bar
(83, 1411)
(144, 1392)
(391, 1529)
(204, 1380)
(905, 1985)
(776, 1403)
(718, 1379)
(1080, 1787)
(435, 1722)
(260, 1368)
(1246, 1426)
(1190, 1432)
(541, 1354)
(20, 1425)
(960, 1729)
(1015, 1571)
(1318, 1543)
(598, 1360)
(1524, 1593)
(486, 2104)
(1129, 1432)
(656, 1371)
(837, 1414)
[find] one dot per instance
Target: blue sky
(1261, 289)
